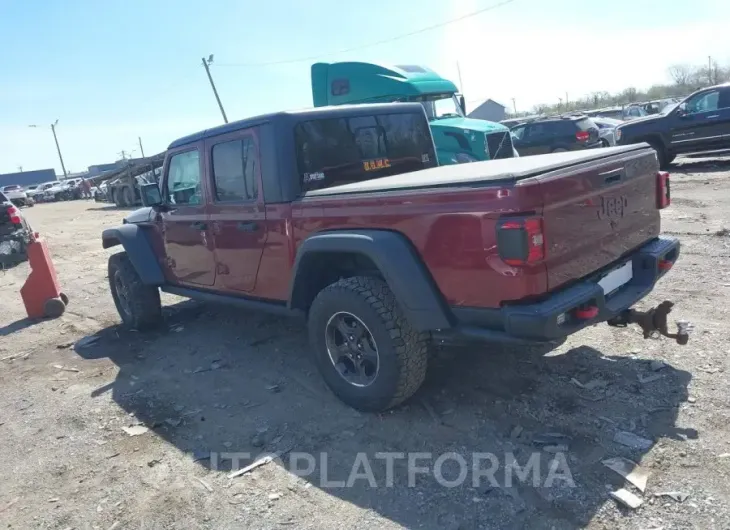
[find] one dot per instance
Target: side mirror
(151, 195)
(681, 110)
(462, 104)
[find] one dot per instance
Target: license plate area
(617, 278)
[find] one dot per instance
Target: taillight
(14, 215)
(582, 136)
(663, 194)
(521, 241)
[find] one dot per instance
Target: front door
(702, 123)
(185, 226)
(237, 212)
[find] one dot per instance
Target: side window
(724, 101)
(535, 131)
(183, 179)
(336, 151)
(340, 87)
(704, 102)
(235, 164)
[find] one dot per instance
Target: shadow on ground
(109, 207)
(689, 164)
(223, 380)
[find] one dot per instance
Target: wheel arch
(139, 250)
(325, 257)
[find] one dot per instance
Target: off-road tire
(402, 351)
(143, 301)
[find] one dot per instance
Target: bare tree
(681, 74)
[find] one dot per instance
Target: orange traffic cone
(41, 292)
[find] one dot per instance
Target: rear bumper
(554, 317)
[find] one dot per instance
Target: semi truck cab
(458, 139)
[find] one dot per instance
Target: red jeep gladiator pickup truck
(340, 215)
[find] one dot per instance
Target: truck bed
(476, 173)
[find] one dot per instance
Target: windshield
(669, 108)
(441, 106)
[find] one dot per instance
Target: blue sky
(112, 71)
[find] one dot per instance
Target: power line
(376, 43)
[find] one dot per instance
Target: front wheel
(663, 157)
(138, 304)
(368, 353)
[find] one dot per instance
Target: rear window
(585, 124)
(336, 151)
(3, 198)
(12, 187)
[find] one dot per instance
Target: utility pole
(206, 65)
(55, 139)
(566, 100)
(514, 105)
(58, 148)
(561, 103)
(709, 68)
(141, 149)
(20, 168)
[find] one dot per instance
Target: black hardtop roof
(296, 116)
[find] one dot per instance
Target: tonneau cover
(477, 172)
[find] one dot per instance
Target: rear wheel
(604, 143)
(138, 304)
(128, 196)
(367, 352)
(559, 150)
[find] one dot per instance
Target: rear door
(596, 212)
(185, 227)
(237, 212)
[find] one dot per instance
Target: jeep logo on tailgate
(613, 208)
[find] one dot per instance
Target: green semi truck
(458, 139)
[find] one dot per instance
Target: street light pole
(206, 65)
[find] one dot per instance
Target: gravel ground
(217, 381)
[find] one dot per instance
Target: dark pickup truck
(340, 215)
(700, 123)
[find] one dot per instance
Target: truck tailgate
(596, 212)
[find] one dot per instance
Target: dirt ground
(219, 380)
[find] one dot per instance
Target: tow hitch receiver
(653, 322)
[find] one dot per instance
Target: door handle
(713, 116)
(199, 225)
(247, 226)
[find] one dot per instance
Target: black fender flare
(397, 260)
(134, 240)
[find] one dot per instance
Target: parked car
(607, 130)
(339, 215)
(17, 195)
(625, 113)
(15, 233)
(701, 122)
(60, 191)
(38, 194)
(555, 134)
